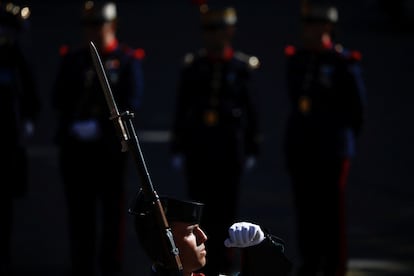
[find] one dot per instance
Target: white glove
(86, 130)
(177, 162)
(244, 234)
(29, 128)
(250, 162)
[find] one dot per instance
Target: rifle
(129, 142)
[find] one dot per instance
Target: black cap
(98, 12)
(319, 12)
(174, 209)
(12, 15)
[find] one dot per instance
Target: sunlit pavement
(379, 267)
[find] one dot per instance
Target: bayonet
(129, 142)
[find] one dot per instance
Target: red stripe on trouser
(342, 217)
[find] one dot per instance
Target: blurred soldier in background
(327, 98)
(19, 110)
(215, 130)
(92, 165)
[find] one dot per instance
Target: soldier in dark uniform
(91, 162)
(327, 100)
(19, 110)
(262, 253)
(215, 131)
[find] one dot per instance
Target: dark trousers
(94, 189)
(6, 223)
(218, 187)
(319, 194)
(15, 167)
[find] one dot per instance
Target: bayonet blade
(113, 109)
(110, 100)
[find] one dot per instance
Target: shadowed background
(380, 190)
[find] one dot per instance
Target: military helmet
(12, 15)
(319, 12)
(146, 223)
(217, 17)
(95, 12)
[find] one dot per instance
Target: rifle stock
(129, 142)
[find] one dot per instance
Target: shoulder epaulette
(355, 55)
(63, 50)
(290, 50)
(138, 53)
(251, 61)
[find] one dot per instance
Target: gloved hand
(86, 129)
(177, 162)
(249, 162)
(28, 128)
(244, 234)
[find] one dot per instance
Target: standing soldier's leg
(6, 221)
(334, 223)
(113, 219)
(80, 191)
(306, 192)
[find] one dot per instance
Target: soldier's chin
(197, 264)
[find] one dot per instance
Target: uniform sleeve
(61, 98)
(179, 126)
(30, 99)
(291, 77)
(137, 84)
(60, 85)
(356, 90)
(249, 101)
(252, 133)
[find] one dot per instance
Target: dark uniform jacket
(215, 111)
(19, 103)
(327, 102)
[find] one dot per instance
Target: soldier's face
(314, 34)
(100, 34)
(189, 239)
